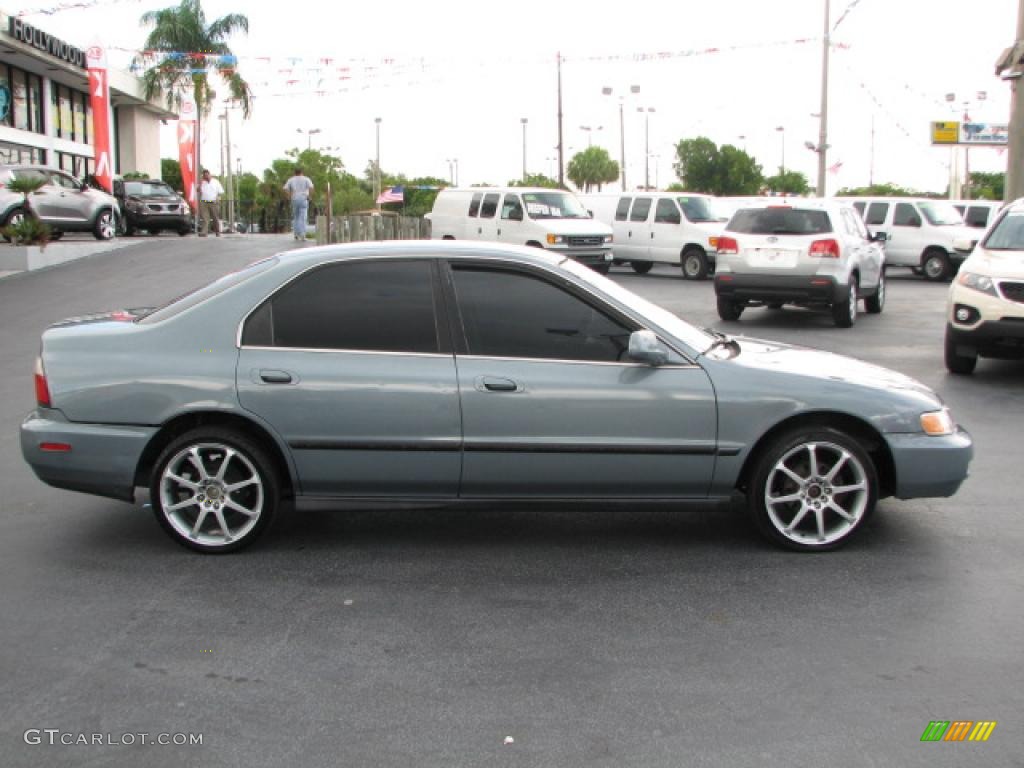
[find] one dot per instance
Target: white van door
(666, 232)
(486, 223)
(620, 227)
(878, 218)
(906, 237)
(636, 246)
(511, 227)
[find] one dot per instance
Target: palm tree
(592, 168)
(183, 30)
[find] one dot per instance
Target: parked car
(63, 203)
(977, 213)
(919, 233)
(676, 228)
(543, 218)
(799, 251)
(985, 309)
(455, 371)
(152, 205)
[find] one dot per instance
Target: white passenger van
(919, 233)
(545, 218)
(667, 227)
(978, 213)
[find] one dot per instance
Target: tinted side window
(876, 214)
(977, 216)
(474, 204)
(490, 205)
(512, 208)
(622, 210)
(63, 181)
(385, 306)
(860, 205)
(666, 212)
(849, 224)
(641, 207)
(905, 215)
(511, 314)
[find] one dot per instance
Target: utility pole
(561, 163)
(1011, 70)
(823, 125)
(231, 183)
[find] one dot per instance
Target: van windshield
(701, 209)
(553, 205)
(941, 214)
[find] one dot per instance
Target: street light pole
(823, 125)
(607, 91)
(309, 136)
(782, 129)
(524, 121)
(647, 145)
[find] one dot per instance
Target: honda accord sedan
(446, 371)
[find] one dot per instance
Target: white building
(45, 114)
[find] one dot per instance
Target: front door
(351, 365)
(667, 232)
(510, 223)
(485, 227)
(552, 405)
(636, 245)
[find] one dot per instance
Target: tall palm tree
(592, 167)
(183, 30)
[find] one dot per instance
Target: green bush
(28, 231)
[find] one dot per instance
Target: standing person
(300, 188)
(210, 192)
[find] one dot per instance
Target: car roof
(430, 249)
(813, 203)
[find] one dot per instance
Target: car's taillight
(727, 245)
(42, 388)
(827, 249)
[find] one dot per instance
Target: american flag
(392, 195)
(835, 168)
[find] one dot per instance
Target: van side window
(666, 212)
(474, 204)
(905, 215)
(976, 216)
(860, 205)
(490, 205)
(641, 207)
(622, 211)
(512, 208)
(876, 214)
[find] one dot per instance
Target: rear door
(906, 237)
(636, 244)
(486, 225)
(666, 242)
(71, 205)
(510, 226)
(620, 227)
(46, 201)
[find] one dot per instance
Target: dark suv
(150, 204)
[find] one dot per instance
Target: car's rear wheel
(214, 490)
(876, 302)
(844, 311)
(936, 264)
(812, 488)
(14, 218)
(183, 230)
(602, 269)
(956, 361)
(105, 226)
(730, 309)
(641, 267)
(694, 264)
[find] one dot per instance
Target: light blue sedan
(448, 371)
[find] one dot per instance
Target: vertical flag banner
(99, 100)
(187, 148)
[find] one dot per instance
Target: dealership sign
(45, 42)
(970, 134)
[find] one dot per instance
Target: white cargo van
(544, 218)
(667, 227)
(919, 233)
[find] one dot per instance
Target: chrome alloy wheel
(211, 494)
(106, 226)
(816, 493)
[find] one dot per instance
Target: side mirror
(879, 237)
(963, 245)
(644, 347)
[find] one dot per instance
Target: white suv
(800, 251)
(985, 310)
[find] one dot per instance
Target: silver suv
(801, 251)
(63, 203)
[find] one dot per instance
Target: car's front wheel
(812, 488)
(936, 265)
(105, 227)
(956, 362)
(214, 490)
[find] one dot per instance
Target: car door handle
(275, 377)
(496, 384)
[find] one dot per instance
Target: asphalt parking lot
(514, 636)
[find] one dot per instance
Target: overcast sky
(453, 79)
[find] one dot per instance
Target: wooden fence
(361, 228)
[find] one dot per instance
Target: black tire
(105, 226)
(774, 305)
(694, 263)
(800, 515)
(602, 269)
(844, 311)
(935, 265)
(153, 232)
(13, 217)
(956, 362)
(182, 231)
(249, 460)
(56, 235)
(876, 303)
(617, 262)
(729, 309)
(641, 267)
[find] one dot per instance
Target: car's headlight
(133, 205)
(555, 239)
(608, 238)
(937, 422)
(978, 282)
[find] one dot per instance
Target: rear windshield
(188, 300)
(780, 221)
(941, 214)
(1007, 234)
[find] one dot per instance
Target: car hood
(999, 264)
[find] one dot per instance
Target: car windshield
(781, 220)
(147, 189)
(553, 205)
(702, 209)
(1007, 234)
(941, 214)
(693, 337)
(188, 300)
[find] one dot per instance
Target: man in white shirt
(210, 192)
(299, 187)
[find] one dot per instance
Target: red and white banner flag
(187, 145)
(99, 100)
